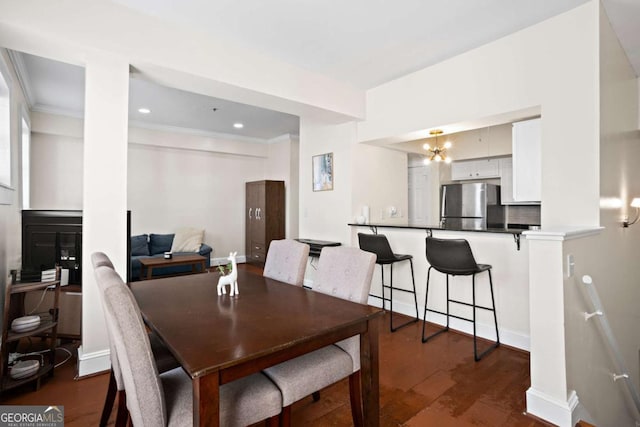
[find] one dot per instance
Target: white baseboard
(93, 363)
(548, 408)
(487, 331)
(580, 413)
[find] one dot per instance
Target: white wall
(174, 179)
(170, 188)
(380, 181)
(543, 66)
(611, 258)
(324, 214)
(283, 161)
(10, 216)
(56, 171)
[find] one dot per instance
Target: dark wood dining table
(218, 339)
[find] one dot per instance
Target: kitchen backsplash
(523, 215)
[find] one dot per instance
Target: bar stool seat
(379, 245)
(453, 257)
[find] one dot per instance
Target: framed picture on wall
(322, 172)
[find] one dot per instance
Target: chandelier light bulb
(436, 153)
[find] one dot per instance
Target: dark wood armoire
(265, 218)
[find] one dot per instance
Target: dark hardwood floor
(437, 384)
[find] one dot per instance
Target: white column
(548, 397)
(104, 195)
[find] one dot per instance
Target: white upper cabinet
(475, 169)
(526, 161)
(506, 181)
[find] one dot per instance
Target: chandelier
(437, 153)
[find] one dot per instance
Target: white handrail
(599, 313)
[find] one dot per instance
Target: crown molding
(197, 132)
(50, 109)
(283, 138)
(17, 60)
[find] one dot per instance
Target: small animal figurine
(230, 279)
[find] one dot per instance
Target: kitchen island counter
(516, 232)
(495, 247)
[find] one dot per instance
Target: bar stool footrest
(471, 305)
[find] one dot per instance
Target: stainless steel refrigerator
(471, 206)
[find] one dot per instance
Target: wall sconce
(635, 203)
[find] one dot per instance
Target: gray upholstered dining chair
(116, 386)
(163, 358)
(167, 399)
(346, 273)
(286, 261)
(100, 259)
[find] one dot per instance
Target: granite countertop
(513, 230)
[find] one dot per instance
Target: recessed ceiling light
(238, 125)
(144, 110)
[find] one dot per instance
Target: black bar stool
(453, 257)
(379, 245)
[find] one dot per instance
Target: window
(5, 126)
(26, 161)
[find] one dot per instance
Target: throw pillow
(139, 245)
(187, 240)
(160, 243)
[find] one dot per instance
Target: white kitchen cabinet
(526, 144)
(506, 181)
(506, 184)
(475, 169)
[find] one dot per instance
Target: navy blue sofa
(154, 246)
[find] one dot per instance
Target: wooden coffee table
(192, 260)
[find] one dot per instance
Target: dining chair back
(345, 273)
(100, 259)
(139, 373)
(286, 261)
(106, 277)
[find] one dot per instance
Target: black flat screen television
(50, 238)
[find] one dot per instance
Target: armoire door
(264, 218)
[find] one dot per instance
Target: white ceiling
(57, 87)
(360, 42)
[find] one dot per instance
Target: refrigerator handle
(444, 201)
